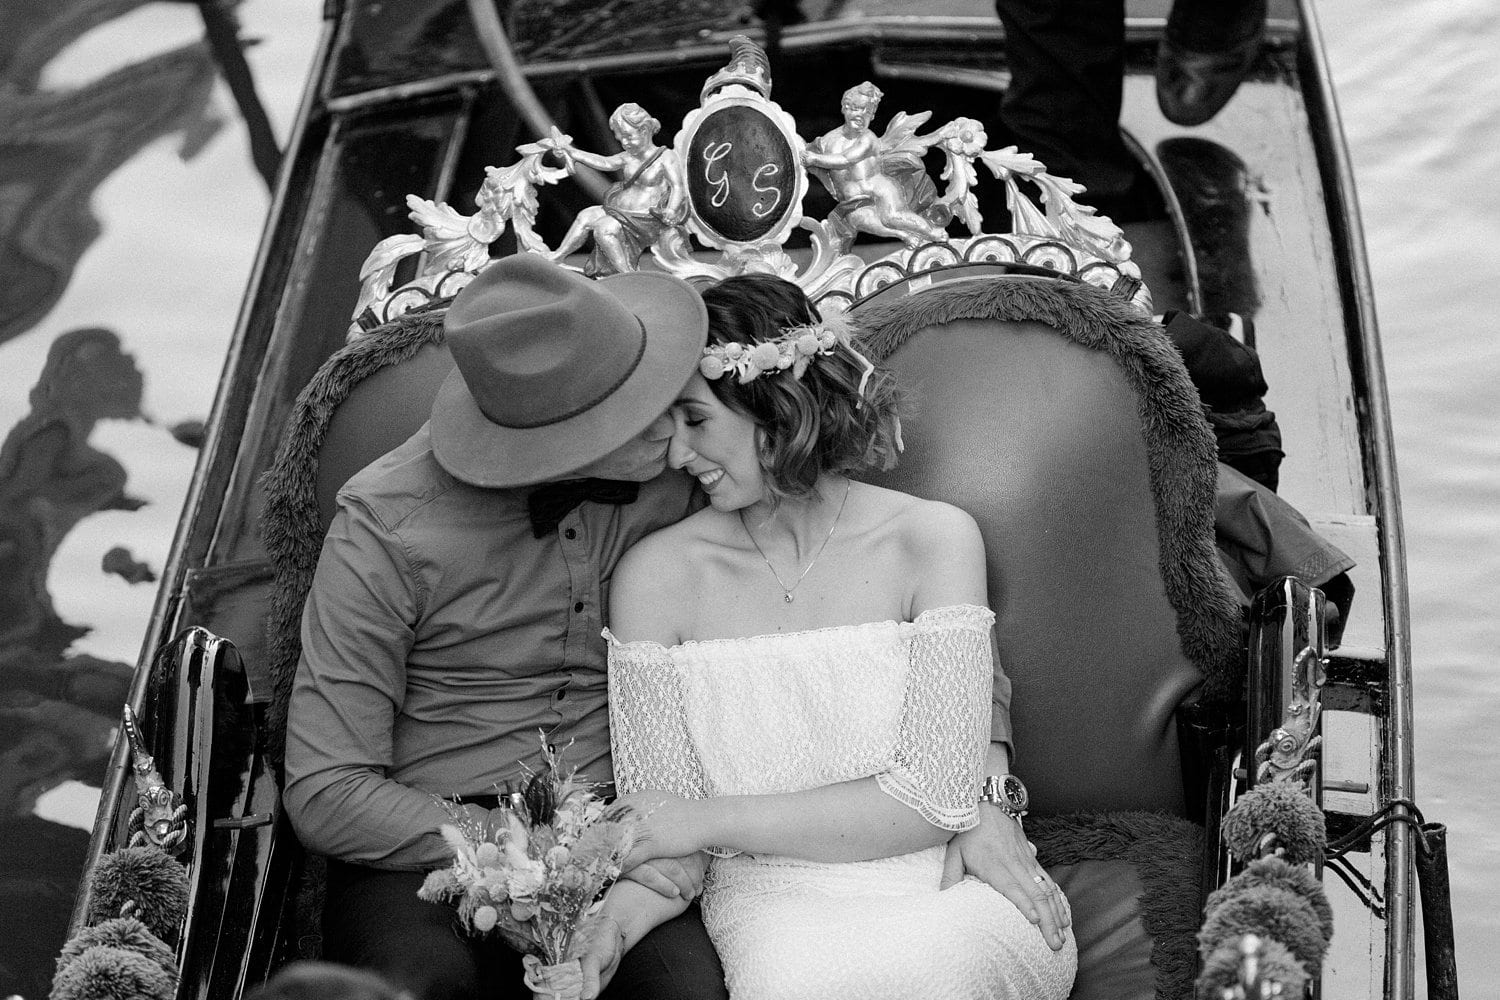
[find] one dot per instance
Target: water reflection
(58, 147)
(58, 703)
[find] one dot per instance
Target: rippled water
(1421, 106)
(1423, 122)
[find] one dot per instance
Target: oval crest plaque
(744, 173)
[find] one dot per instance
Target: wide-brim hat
(555, 370)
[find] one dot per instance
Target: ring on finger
(1039, 879)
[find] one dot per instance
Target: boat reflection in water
(84, 516)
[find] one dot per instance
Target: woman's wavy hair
(814, 424)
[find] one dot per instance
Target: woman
(800, 681)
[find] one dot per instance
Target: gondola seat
(1068, 427)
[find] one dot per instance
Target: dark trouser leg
(1067, 62)
(676, 961)
(1214, 25)
(373, 919)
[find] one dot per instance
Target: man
(456, 613)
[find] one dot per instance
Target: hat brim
(477, 451)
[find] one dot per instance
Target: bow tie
(551, 502)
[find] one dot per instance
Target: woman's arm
(998, 852)
(945, 553)
(849, 821)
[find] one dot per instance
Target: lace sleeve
(945, 720)
(647, 723)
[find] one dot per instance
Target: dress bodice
(907, 702)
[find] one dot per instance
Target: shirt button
(570, 533)
(578, 608)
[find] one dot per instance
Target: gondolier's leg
(373, 919)
(1067, 63)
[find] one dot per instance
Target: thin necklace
(785, 590)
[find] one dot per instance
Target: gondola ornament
(1289, 751)
(725, 195)
(160, 816)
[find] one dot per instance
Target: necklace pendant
(789, 597)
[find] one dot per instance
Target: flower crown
(792, 351)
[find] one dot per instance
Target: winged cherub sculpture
(880, 183)
(648, 205)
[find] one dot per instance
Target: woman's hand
(997, 852)
(666, 826)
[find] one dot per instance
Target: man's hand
(997, 851)
(598, 947)
(669, 877)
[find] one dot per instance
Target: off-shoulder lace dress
(907, 702)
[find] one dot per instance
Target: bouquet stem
(563, 981)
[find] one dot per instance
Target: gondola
(416, 98)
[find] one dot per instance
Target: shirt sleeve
(1000, 729)
(357, 630)
(945, 720)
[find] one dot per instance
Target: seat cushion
(1114, 949)
(1132, 882)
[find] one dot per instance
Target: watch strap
(995, 793)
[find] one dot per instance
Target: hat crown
(537, 344)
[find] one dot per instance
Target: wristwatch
(1007, 792)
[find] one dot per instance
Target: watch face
(1015, 793)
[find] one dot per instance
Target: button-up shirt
(441, 644)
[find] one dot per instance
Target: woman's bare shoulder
(669, 552)
(651, 595)
(939, 551)
(920, 524)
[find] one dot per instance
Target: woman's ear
(763, 446)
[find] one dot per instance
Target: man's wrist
(612, 923)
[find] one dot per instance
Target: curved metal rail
(1380, 464)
